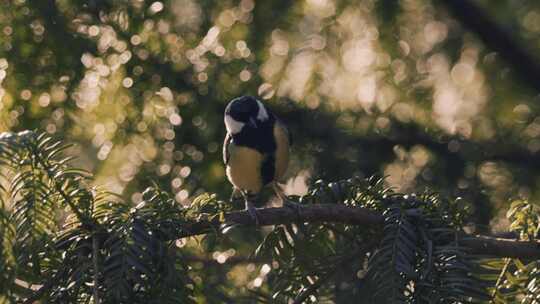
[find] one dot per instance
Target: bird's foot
(252, 212)
(236, 195)
(292, 205)
(286, 202)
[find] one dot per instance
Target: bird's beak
(252, 123)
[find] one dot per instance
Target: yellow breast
(244, 164)
(244, 168)
(282, 150)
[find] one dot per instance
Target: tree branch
(499, 247)
(286, 215)
(478, 244)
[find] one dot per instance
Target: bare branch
(285, 215)
(503, 248)
(479, 244)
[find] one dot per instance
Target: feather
(226, 152)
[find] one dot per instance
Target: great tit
(256, 149)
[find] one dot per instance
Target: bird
(256, 149)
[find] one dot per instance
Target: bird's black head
(242, 111)
(243, 108)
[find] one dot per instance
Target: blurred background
(435, 94)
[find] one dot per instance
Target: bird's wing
(226, 152)
(282, 125)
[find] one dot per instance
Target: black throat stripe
(261, 139)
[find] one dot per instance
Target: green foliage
(525, 219)
(128, 254)
(127, 251)
(417, 260)
(140, 262)
(7, 256)
(519, 280)
(39, 184)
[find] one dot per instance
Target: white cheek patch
(233, 126)
(262, 115)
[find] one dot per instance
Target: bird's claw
(252, 212)
(236, 195)
(286, 202)
(292, 205)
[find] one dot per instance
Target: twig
(88, 222)
(500, 278)
(95, 260)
